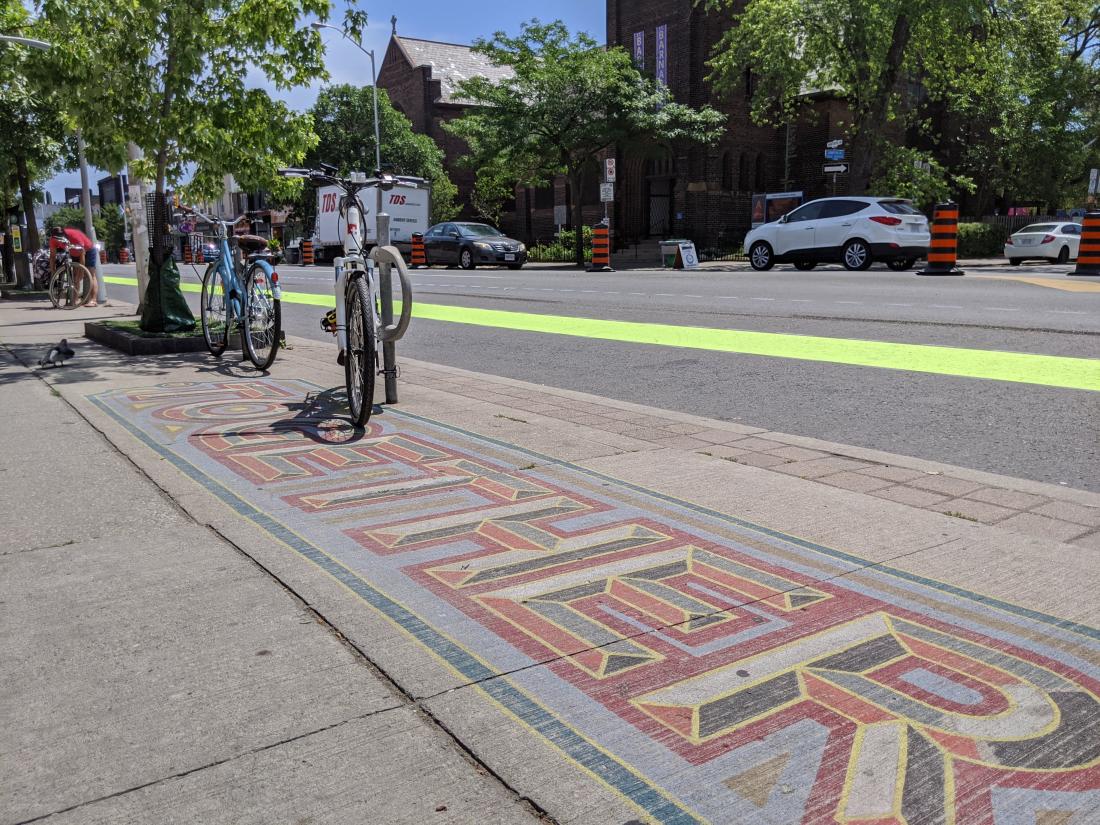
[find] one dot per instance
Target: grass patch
(134, 328)
(956, 514)
(509, 418)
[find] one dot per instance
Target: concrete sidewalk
(503, 601)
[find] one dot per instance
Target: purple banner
(639, 49)
(662, 54)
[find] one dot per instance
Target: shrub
(981, 240)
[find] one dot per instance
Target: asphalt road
(1028, 431)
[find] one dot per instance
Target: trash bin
(669, 249)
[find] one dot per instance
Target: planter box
(131, 344)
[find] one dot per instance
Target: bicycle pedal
(328, 323)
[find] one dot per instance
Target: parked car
(1057, 242)
(470, 244)
(854, 231)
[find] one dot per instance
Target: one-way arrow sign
(835, 168)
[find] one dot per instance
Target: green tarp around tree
(165, 308)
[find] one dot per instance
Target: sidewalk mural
(706, 669)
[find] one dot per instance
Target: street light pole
(382, 227)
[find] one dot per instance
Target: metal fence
(1013, 223)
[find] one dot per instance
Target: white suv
(856, 231)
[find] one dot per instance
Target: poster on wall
(639, 49)
(780, 203)
(759, 210)
(662, 54)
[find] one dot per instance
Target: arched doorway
(660, 185)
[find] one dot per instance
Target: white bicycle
(357, 320)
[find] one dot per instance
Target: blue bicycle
(252, 304)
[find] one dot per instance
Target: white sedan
(1056, 242)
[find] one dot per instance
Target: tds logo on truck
(408, 205)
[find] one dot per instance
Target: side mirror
(454, 234)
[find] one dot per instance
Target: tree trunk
(138, 232)
(33, 241)
(870, 120)
(576, 179)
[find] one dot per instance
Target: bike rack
(390, 256)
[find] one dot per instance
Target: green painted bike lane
(1018, 367)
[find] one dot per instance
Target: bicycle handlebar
(327, 175)
(190, 210)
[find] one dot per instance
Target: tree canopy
(34, 142)
(343, 119)
(567, 101)
(943, 95)
(178, 78)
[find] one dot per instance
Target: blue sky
(452, 21)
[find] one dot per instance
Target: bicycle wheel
(61, 287)
(214, 313)
(263, 315)
(359, 360)
(71, 286)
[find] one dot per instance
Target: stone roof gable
(450, 63)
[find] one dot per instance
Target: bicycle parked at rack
(357, 321)
(252, 304)
(70, 284)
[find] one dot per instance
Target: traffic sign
(607, 192)
(835, 168)
(609, 170)
(834, 154)
(16, 239)
(561, 214)
(834, 144)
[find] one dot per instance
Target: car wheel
(1015, 261)
(857, 256)
(804, 266)
(760, 257)
(901, 264)
(1063, 255)
(466, 259)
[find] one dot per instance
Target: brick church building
(699, 192)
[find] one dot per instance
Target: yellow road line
(1066, 285)
(1018, 367)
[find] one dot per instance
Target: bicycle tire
(217, 339)
(261, 341)
(360, 358)
(63, 286)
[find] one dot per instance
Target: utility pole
(89, 225)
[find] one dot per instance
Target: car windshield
(899, 208)
(479, 230)
(1038, 227)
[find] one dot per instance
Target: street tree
(343, 119)
(858, 50)
(33, 140)
(566, 102)
(943, 96)
(180, 79)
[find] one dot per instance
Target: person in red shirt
(81, 249)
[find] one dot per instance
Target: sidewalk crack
(216, 763)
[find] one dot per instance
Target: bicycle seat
(251, 243)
